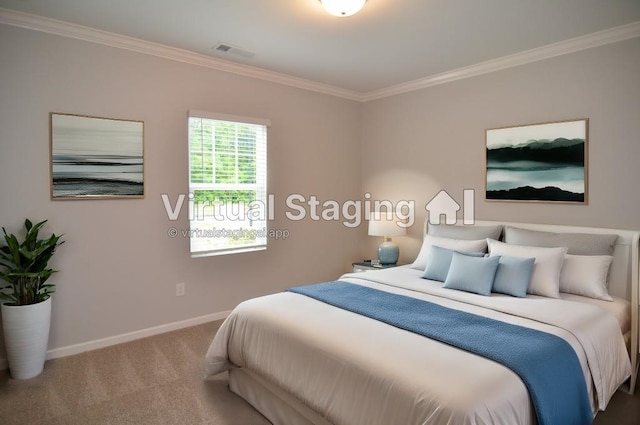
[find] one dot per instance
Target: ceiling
(389, 43)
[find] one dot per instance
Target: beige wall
(118, 268)
(418, 143)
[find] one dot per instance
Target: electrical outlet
(179, 289)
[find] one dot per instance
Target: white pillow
(456, 244)
(586, 275)
(545, 279)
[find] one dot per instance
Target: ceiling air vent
(233, 50)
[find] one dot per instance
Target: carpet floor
(158, 380)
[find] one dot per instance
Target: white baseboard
(131, 336)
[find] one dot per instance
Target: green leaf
(24, 265)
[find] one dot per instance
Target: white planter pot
(26, 335)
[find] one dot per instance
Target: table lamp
(386, 225)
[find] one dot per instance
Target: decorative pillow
(459, 245)
(465, 232)
(545, 279)
(576, 243)
(513, 276)
(471, 274)
(439, 262)
(586, 275)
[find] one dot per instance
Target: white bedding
(619, 308)
(354, 370)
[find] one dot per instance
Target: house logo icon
(443, 204)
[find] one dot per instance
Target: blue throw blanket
(547, 364)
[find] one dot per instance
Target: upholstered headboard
(623, 277)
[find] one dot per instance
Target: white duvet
(353, 370)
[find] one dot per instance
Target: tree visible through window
(227, 183)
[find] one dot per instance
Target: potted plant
(26, 310)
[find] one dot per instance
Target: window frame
(194, 219)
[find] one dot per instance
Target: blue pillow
(439, 262)
(472, 274)
(513, 276)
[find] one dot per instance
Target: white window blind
(227, 183)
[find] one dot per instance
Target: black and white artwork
(540, 162)
(95, 157)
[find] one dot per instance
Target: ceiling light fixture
(343, 8)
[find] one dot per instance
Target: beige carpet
(157, 380)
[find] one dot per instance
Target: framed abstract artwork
(96, 158)
(538, 162)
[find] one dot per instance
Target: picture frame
(95, 158)
(544, 162)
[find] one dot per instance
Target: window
(227, 184)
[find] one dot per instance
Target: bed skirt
(274, 404)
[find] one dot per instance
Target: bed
(299, 360)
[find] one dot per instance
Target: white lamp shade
(343, 8)
(383, 224)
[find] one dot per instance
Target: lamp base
(388, 252)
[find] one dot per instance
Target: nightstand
(367, 265)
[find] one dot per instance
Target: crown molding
(65, 29)
(596, 39)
